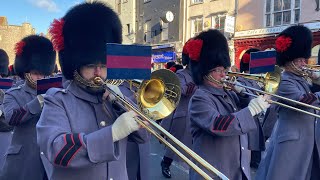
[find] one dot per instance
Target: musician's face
(299, 62)
(219, 73)
(90, 71)
(35, 75)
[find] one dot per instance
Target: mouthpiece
(98, 81)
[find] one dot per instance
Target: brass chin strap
(91, 87)
(213, 80)
(30, 81)
(300, 72)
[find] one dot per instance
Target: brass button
(103, 123)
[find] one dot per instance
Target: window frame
(272, 13)
(193, 32)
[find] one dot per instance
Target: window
(196, 1)
(281, 12)
(218, 22)
(164, 31)
(147, 31)
(196, 26)
(129, 29)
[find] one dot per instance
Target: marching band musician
(5, 129)
(294, 152)
(256, 137)
(177, 122)
(218, 124)
(35, 59)
(79, 132)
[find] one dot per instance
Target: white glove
(238, 89)
(124, 125)
(115, 89)
(257, 105)
(40, 99)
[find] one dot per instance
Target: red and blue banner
(262, 62)
(128, 61)
(44, 84)
(6, 83)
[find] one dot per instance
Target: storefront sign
(273, 30)
(163, 57)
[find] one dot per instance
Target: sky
(39, 13)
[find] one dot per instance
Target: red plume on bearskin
(19, 48)
(173, 69)
(194, 49)
(283, 43)
(56, 31)
(245, 58)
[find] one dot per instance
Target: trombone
(271, 81)
(156, 99)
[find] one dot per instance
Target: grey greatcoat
(22, 110)
(74, 133)
(5, 133)
(292, 155)
(138, 154)
(219, 129)
(256, 138)
(177, 122)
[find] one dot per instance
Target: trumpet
(156, 99)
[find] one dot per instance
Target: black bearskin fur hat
(206, 51)
(245, 59)
(34, 53)
(81, 35)
(294, 42)
(4, 62)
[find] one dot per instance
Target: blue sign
(163, 57)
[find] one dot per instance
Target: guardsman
(79, 131)
(5, 129)
(220, 119)
(256, 138)
(177, 123)
(294, 153)
(35, 59)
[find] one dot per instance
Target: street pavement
(179, 170)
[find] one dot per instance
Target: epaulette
(53, 91)
(13, 89)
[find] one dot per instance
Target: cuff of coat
(34, 106)
(101, 147)
(246, 120)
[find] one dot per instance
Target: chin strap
(30, 81)
(89, 86)
(300, 72)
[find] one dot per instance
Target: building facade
(208, 14)
(126, 10)
(11, 34)
(259, 22)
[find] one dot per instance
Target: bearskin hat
(245, 59)
(176, 67)
(34, 53)
(4, 62)
(206, 51)
(294, 42)
(81, 35)
(168, 65)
